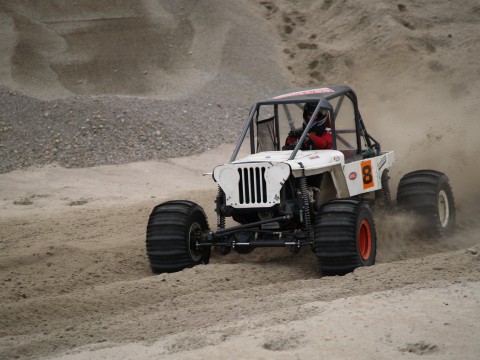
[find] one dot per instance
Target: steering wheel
(308, 144)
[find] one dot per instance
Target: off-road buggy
(296, 196)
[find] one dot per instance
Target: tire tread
(418, 192)
(167, 229)
(335, 243)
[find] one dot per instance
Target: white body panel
(311, 159)
(256, 180)
(365, 175)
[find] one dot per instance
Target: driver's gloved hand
(295, 133)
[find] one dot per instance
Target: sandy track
(67, 293)
(74, 276)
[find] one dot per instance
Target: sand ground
(74, 277)
(76, 282)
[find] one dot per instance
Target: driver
(320, 133)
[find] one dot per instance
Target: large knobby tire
(344, 237)
(172, 231)
(428, 194)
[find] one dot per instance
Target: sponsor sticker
(352, 175)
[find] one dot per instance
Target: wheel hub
(443, 208)
(365, 240)
(195, 235)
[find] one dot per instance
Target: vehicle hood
(306, 159)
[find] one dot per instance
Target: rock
(472, 251)
(78, 122)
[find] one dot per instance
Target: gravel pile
(84, 131)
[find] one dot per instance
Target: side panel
(365, 175)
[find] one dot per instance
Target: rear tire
(428, 194)
(172, 231)
(344, 237)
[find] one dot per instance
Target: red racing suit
(324, 141)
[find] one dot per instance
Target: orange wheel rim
(365, 240)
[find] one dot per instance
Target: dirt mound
(400, 44)
(163, 48)
(412, 66)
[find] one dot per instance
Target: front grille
(252, 187)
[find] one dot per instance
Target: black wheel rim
(195, 235)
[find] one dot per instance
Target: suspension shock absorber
(387, 200)
(219, 202)
(306, 206)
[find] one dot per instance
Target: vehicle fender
(365, 175)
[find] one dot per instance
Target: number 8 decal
(367, 174)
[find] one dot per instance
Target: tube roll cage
(323, 103)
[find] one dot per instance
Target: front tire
(173, 229)
(344, 237)
(428, 194)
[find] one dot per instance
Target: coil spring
(219, 202)
(387, 200)
(306, 207)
